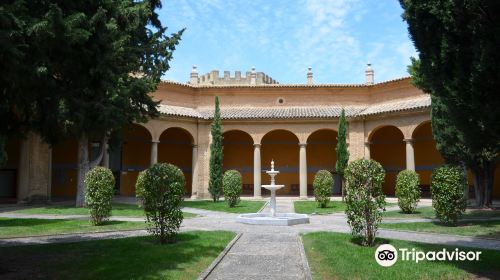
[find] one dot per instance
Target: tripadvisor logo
(387, 255)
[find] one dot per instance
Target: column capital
(257, 145)
(368, 143)
(194, 145)
(155, 141)
(302, 145)
(408, 140)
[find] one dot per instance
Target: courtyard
(212, 245)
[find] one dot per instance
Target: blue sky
(284, 37)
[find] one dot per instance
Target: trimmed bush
(448, 185)
(408, 190)
(232, 185)
(322, 185)
(99, 192)
(160, 190)
(365, 200)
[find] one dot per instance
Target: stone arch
(9, 173)
(158, 126)
(321, 154)
(282, 146)
(175, 146)
(135, 156)
(427, 157)
(238, 155)
(387, 147)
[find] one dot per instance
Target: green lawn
(119, 209)
(126, 258)
(245, 206)
(33, 227)
(311, 207)
(490, 229)
(428, 212)
(335, 256)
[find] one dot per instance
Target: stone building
(294, 124)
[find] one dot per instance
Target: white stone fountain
(273, 218)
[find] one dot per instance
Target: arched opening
(496, 180)
(427, 157)
(387, 147)
(64, 169)
(282, 146)
(321, 154)
(176, 147)
(135, 156)
(9, 172)
(238, 155)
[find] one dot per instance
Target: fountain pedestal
(273, 218)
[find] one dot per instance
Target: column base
(194, 196)
(303, 197)
(257, 196)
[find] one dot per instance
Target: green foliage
(341, 150)
(99, 193)
(408, 190)
(232, 184)
(457, 42)
(216, 155)
(160, 190)
(322, 184)
(448, 186)
(364, 198)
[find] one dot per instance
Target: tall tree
(459, 65)
(341, 150)
(216, 155)
(95, 64)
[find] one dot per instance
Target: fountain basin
(280, 219)
(272, 187)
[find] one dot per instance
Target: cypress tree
(458, 66)
(341, 149)
(216, 155)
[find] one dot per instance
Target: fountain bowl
(272, 187)
(280, 219)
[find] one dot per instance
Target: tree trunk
(342, 187)
(483, 183)
(83, 168)
(84, 165)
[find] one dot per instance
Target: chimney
(309, 76)
(369, 74)
(253, 77)
(194, 76)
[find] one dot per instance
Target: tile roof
(299, 112)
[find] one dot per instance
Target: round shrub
(365, 200)
(322, 185)
(408, 190)
(99, 192)
(232, 185)
(160, 189)
(448, 184)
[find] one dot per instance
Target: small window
(281, 100)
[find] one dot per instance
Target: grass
(490, 229)
(126, 258)
(35, 227)
(335, 256)
(245, 206)
(311, 207)
(428, 212)
(119, 209)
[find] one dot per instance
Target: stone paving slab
(263, 256)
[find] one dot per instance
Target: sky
(282, 38)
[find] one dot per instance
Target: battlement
(212, 78)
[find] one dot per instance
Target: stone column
(410, 155)
(367, 150)
(34, 171)
(154, 152)
(256, 171)
(194, 173)
(303, 170)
